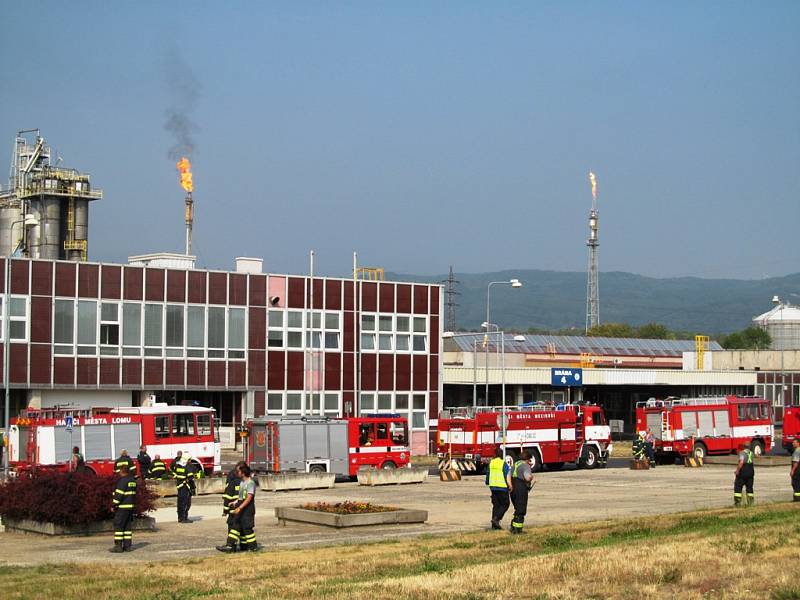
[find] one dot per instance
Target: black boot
(225, 548)
(496, 525)
(117, 548)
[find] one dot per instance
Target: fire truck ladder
(579, 427)
(664, 424)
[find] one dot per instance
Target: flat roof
(578, 344)
(160, 410)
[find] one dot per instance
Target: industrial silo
(783, 325)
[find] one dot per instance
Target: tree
(620, 330)
(752, 338)
(654, 331)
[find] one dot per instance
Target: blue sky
(426, 134)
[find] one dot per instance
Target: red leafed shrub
(66, 498)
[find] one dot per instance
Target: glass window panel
(419, 325)
(275, 402)
(316, 320)
(153, 324)
(418, 420)
(195, 353)
(18, 307)
(420, 343)
(236, 328)
(131, 324)
(17, 329)
(87, 322)
(196, 326)
(313, 339)
(331, 321)
(331, 340)
(315, 403)
(109, 335)
(294, 319)
(174, 326)
(294, 401)
(275, 339)
(384, 402)
(276, 318)
(368, 322)
(332, 402)
(108, 311)
(182, 425)
(403, 324)
(367, 341)
(64, 326)
(216, 354)
(367, 402)
(216, 327)
(385, 342)
(402, 343)
(401, 402)
(419, 401)
(204, 424)
(63, 349)
(162, 426)
(294, 339)
(385, 323)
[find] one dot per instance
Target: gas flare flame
(593, 181)
(185, 168)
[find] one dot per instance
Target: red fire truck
(704, 426)
(43, 439)
(320, 445)
(791, 426)
(568, 433)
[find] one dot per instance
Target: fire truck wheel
(536, 460)
(316, 469)
(388, 465)
(590, 458)
(700, 451)
(758, 447)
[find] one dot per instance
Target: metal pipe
(503, 376)
(474, 374)
(6, 349)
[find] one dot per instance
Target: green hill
(556, 300)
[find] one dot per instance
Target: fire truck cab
(703, 426)
(791, 426)
(43, 439)
(554, 435)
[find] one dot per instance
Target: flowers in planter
(66, 498)
(348, 507)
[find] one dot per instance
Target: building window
(216, 332)
(196, 331)
(109, 329)
(153, 329)
(131, 329)
(64, 327)
(332, 408)
(385, 342)
(294, 329)
(294, 402)
(174, 330)
(275, 404)
(87, 327)
(275, 325)
(419, 413)
(236, 328)
(18, 319)
(384, 403)
(368, 333)
(367, 403)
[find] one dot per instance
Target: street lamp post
(777, 301)
(514, 283)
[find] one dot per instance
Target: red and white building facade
(247, 344)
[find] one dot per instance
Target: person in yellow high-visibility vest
(496, 476)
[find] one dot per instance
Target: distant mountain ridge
(557, 300)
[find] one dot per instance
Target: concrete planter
(205, 485)
(392, 476)
(42, 528)
(279, 482)
(315, 517)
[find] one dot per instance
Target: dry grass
(622, 450)
(714, 554)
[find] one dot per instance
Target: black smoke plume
(184, 89)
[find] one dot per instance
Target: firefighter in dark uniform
(229, 497)
(496, 479)
(158, 470)
(795, 471)
(184, 481)
(744, 477)
(520, 481)
(125, 460)
(124, 501)
(244, 511)
(638, 448)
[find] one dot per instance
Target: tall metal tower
(450, 303)
(592, 284)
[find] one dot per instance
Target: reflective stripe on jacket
(125, 493)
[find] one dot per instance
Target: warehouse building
(243, 342)
(616, 372)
